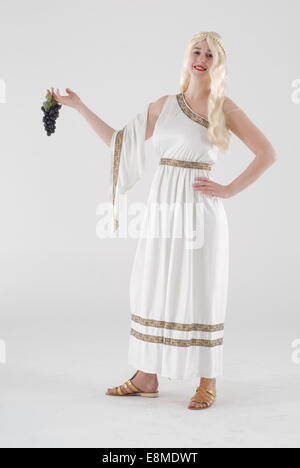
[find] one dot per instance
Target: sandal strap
(204, 396)
(128, 389)
(132, 386)
(207, 390)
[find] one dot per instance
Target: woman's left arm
(265, 155)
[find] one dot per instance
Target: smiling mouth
(199, 68)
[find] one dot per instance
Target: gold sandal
(203, 395)
(131, 390)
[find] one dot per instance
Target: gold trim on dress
(176, 342)
(188, 164)
(192, 115)
(176, 325)
(116, 165)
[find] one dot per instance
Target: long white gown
(178, 284)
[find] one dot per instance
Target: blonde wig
(218, 134)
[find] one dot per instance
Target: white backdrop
(64, 292)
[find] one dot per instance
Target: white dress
(178, 286)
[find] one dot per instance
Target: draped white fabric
(127, 160)
(178, 295)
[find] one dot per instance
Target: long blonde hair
(218, 134)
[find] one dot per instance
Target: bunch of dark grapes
(50, 109)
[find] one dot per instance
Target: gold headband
(202, 36)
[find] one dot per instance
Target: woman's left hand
(209, 187)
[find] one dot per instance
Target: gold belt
(189, 164)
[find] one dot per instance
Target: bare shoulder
(234, 115)
(154, 111)
(229, 105)
(242, 126)
(156, 106)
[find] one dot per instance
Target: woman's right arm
(103, 130)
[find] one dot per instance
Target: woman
(178, 293)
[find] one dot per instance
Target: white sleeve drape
(127, 163)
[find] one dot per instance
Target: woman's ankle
(146, 381)
(147, 374)
(211, 383)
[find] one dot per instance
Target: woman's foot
(143, 381)
(205, 394)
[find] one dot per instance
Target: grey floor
(57, 371)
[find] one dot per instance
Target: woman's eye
(197, 52)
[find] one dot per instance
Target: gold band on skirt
(188, 164)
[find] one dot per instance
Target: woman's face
(200, 60)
